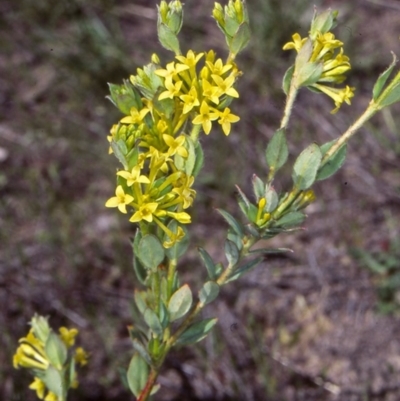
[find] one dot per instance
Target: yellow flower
(182, 217)
(81, 356)
(30, 354)
(190, 100)
(133, 177)
(205, 117)
(39, 387)
(338, 95)
(225, 85)
(51, 397)
(171, 71)
(323, 45)
(120, 200)
(145, 212)
(173, 237)
(218, 68)
(297, 43)
(175, 145)
(136, 116)
(172, 90)
(191, 59)
(68, 336)
(226, 118)
(184, 192)
(333, 69)
(28, 357)
(210, 91)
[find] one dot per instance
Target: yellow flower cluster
(151, 141)
(328, 50)
(31, 354)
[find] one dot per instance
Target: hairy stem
(369, 112)
(291, 97)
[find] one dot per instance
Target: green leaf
(164, 318)
(272, 199)
(243, 197)
(196, 332)
(303, 56)
(231, 252)
(309, 73)
(268, 251)
(244, 269)
(277, 150)
(180, 302)
(392, 97)
(152, 320)
(287, 79)
(56, 350)
(150, 251)
(233, 223)
(334, 163)
(137, 374)
(120, 151)
(258, 187)
(53, 380)
(71, 373)
(140, 271)
(140, 301)
(252, 230)
(137, 334)
(191, 159)
(208, 292)
(199, 160)
(208, 263)
(139, 347)
(231, 236)
(381, 81)
(240, 39)
(306, 166)
(179, 248)
(290, 219)
(168, 39)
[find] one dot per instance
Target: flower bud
(233, 21)
(323, 22)
(169, 23)
(218, 15)
(40, 327)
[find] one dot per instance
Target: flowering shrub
(165, 108)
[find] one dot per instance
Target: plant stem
(368, 113)
(291, 97)
(171, 273)
(144, 394)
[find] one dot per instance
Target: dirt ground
(303, 326)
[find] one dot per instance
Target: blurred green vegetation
(62, 253)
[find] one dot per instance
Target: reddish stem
(149, 386)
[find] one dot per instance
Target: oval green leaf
(150, 251)
(306, 166)
(137, 374)
(196, 332)
(180, 303)
(277, 150)
(209, 292)
(334, 163)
